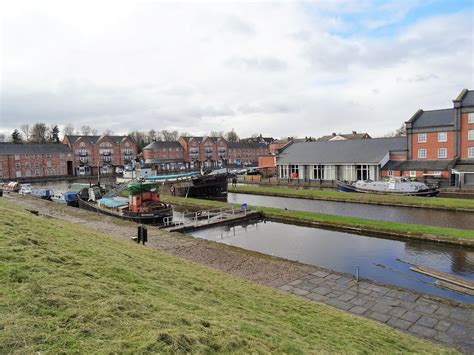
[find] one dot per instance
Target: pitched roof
(433, 118)
(94, 139)
(11, 148)
(163, 144)
(346, 136)
(341, 152)
(468, 99)
(196, 138)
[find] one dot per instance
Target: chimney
(334, 134)
(354, 132)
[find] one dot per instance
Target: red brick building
(204, 151)
(31, 161)
(440, 145)
(106, 152)
(164, 156)
(241, 154)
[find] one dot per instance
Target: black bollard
(139, 234)
(144, 234)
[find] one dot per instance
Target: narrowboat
(12, 186)
(44, 194)
(25, 189)
(394, 186)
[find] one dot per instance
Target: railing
(207, 216)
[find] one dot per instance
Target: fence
(203, 217)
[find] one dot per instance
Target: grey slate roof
(434, 118)
(10, 148)
(419, 165)
(160, 145)
(196, 138)
(163, 161)
(341, 152)
(94, 139)
(468, 99)
(346, 136)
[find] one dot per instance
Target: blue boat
(45, 194)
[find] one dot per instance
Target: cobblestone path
(447, 323)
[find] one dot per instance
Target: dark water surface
(379, 259)
(462, 220)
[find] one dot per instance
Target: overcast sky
(282, 69)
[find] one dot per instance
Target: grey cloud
(256, 63)
(237, 25)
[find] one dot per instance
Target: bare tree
(108, 132)
(400, 132)
(94, 132)
(169, 136)
(2, 137)
(39, 133)
(68, 130)
(256, 135)
(25, 129)
(151, 136)
(185, 134)
(216, 134)
(139, 138)
(85, 130)
(231, 136)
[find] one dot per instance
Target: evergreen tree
(16, 137)
(55, 134)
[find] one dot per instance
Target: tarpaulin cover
(113, 202)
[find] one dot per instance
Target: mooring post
(357, 273)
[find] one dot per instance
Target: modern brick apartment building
(440, 145)
(204, 151)
(35, 160)
(164, 156)
(246, 153)
(104, 152)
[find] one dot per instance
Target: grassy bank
(450, 235)
(413, 201)
(66, 288)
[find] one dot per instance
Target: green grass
(66, 288)
(371, 225)
(427, 202)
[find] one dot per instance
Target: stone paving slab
(450, 324)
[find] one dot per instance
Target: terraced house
(164, 156)
(440, 144)
(100, 152)
(35, 161)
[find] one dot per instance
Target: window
(362, 172)
(470, 135)
(442, 153)
(48, 155)
(318, 172)
(82, 144)
(442, 136)
(421, 137)
(412, 173)
(437, 173)
(470, 152)
(17, 156)
(421, 153)
(37, 156)
(390, 172)
(27, 156)
(37, 172)
(17, 166)
(470, 117)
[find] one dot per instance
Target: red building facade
(104, 152)
(30, 161)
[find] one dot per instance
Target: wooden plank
(454, 287)
(444, 277)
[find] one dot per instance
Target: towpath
(441, 321)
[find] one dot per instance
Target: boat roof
(172, 176)
(113, 202)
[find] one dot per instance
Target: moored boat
(12, 186)
(44, 194)
(196, 185)
(143, 204)
(394, 186)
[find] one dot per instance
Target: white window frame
(422, 138)
(442, 156)
(389, 172)
(442, 136)
(470, 135)
(470, 152)
(412, 173)
(437, 173)
(420, 155)
(470, 117)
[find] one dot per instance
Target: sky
(277, 68)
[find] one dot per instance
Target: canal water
(422, 216)
(382, 260)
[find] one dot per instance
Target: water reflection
(463, 220)
(379, 259)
